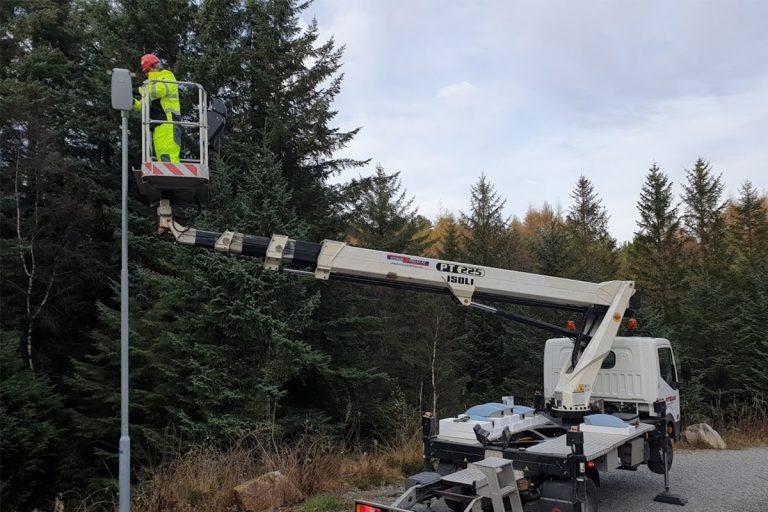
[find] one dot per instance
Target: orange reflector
(632, 324)
(616, 317)
(359, 507)
(570, 325)
(591, 464)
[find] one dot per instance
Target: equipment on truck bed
(495, 456)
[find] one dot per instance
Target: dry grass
(741, 425)
(389, 464)
(311, 466)
(204, 479)
(406, 455)
(745, 435)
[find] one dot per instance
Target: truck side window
(609, 361)
(667, 365)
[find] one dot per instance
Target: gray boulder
(269, 491)
(704, 436)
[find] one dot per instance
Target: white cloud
(457, 89)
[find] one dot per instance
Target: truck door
(668, 382)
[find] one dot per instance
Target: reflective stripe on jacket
(167, 93)
(163, 96)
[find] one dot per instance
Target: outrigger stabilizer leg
(665, 497)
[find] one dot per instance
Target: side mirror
(678, 385)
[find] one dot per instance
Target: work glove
(136, 95)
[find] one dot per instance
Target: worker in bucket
(164, 105)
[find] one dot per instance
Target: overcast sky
(536, 93)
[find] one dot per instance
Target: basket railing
(201, 124)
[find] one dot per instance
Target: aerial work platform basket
(184, 183)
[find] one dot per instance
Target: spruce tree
(713, 289)
(550, 248)
(31, 431)
(656, 253)
(280, 82)
(486, 239)
(384, 218)
(591, 247)
(749, 227)
(546, 239)
(375, 325)
(752, 356)
(450, 248)
(704, 207)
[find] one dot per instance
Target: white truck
(611, 401)
(636, 372)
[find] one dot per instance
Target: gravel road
(713, 481)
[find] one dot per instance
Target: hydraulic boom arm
(603, 304)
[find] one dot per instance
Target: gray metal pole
(125, 439)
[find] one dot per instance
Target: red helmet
(147, 61)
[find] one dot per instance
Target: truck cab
(635, 373)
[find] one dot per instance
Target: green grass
(323, 503)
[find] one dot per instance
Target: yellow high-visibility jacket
(163, 97)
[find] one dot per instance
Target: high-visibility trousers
(167, 141)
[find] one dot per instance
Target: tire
(656, 461)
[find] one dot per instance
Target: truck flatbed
(595, 444)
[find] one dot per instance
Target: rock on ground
(266, 492)
(702, 434)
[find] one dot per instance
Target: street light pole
(125, 438)
(122, 100)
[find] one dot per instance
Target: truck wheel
(656, 461)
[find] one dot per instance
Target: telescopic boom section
(604, 303)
